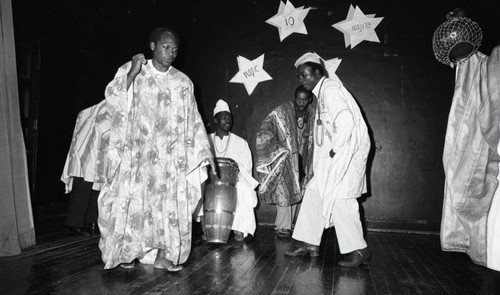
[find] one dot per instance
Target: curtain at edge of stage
(16, 220)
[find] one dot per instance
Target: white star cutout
(250, 73)
(358, 27)
(289, 20)
(331, 66)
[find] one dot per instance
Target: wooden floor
(401, 264)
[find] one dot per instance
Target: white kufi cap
(309, 57)
(330, 66)
(221, 106)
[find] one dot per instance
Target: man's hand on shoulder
(137, 61)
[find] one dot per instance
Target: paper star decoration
(331, 66)
(289, 20)
(250, 73)
(358, 27)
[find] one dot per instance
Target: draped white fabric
(16, 220)
(493, 230)
(470, 159)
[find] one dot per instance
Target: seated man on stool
(228, 145)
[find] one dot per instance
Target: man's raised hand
(137, 61)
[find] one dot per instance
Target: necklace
(301, 119)
(318, 131)
(300, 122)
(224, 151)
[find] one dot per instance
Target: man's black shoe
(356, 258)
(303, 249)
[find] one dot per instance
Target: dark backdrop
(405, 94)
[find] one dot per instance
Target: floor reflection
(400, 264)
(350, 281)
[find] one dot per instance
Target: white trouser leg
(244, 217)
(244, 221)
(347, 225)
(284, 216)
(310, 222)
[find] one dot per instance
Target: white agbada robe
(493, 230)
(236, 148)
(470, 222)
(330, 196)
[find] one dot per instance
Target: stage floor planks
(400, 264)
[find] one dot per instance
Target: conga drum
(219, 203)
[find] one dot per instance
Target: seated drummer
(228, 145)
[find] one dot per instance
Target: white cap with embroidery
(221, 106)
(308, 57)
(330, 65)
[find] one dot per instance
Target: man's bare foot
(166, 264)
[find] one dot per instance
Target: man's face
(224, 121)
(165, 50)
(302, 100)
(307, 77)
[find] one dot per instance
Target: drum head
(225, 161)
(227, 170)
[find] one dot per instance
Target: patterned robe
(87, 152)
(157, 147)
(279, 143)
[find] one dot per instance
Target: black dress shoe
(84, 232)
(283, 233)
(356, 258)
(303, 249)
(71, 231)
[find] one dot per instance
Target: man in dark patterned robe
(284, 153)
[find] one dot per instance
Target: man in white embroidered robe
(229, 145)
(157, 148)
(339, 164)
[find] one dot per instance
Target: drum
(219, 203)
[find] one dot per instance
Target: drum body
(220, 200)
